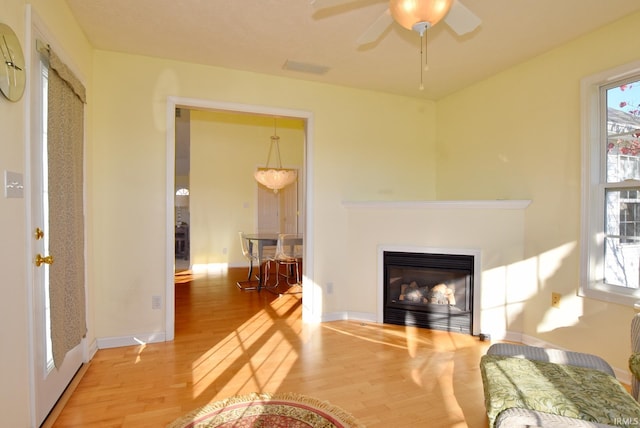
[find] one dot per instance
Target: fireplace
(430, 290)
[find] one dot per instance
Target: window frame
(594, 186)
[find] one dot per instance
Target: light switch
(13, 185)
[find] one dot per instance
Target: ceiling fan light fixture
(427, 13)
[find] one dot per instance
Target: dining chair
(288, 254)
(252, 257)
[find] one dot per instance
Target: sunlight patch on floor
(257, 352)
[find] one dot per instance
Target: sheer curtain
(65, 137)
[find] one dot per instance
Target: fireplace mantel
(494, 229)
(504, 204)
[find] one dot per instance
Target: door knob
(39, 233)
(43, 260)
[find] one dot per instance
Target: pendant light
(275, 178)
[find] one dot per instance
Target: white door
(268, 212)
(49, 382)
(289, 212)
(278, 212)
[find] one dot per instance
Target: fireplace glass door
(429, 290)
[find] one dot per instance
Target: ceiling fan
(417, 15)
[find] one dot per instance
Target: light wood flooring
(232, 342)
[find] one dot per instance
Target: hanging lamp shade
(427, 13)
(275, 178)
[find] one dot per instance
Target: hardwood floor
(232, 342)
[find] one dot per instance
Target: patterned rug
(287, 410)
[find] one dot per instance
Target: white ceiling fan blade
(460, 19)
(376, 29)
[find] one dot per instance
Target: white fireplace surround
(493, 231)
(432, 250)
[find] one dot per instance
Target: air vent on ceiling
(305, 67)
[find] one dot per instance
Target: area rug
(286, 410)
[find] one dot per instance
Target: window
(610, 265)
(629, 207)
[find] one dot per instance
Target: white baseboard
(342, 316)
(91, 350)
(138, 339)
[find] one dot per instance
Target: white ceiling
(261, 35)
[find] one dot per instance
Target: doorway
(216, 157)
(311, 308)
(181, 189)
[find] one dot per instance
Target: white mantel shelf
(498, 204)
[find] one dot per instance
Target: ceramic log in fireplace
(429, 290)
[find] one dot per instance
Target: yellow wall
(226, 148)
(521, 140)
(14, 370)
(366, 146)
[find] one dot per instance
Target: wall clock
(12, 71)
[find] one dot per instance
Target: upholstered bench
(537, 387)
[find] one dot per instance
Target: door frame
(311, 310)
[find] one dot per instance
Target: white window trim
(592, 224)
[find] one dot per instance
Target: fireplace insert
(429, 290)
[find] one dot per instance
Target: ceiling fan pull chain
(421, 54)
(426, 52)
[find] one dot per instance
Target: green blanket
(570, 391)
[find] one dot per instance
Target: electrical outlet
(156, 302)
(555, 299)
(329, 287)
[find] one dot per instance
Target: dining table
(260, 241)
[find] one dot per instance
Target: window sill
(631, 299)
